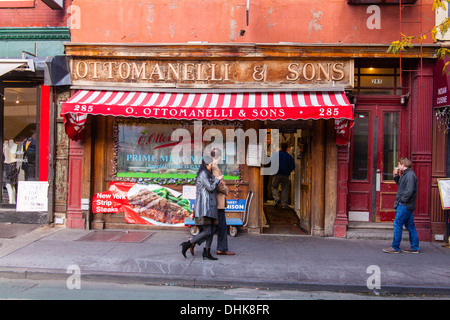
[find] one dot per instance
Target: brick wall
(40, 16)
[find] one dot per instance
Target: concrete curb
(188, 281)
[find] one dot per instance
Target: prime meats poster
(143, 204)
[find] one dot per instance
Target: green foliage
(406, 42)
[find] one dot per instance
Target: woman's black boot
(185, 246)
(207, 254)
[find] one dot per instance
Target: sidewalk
(261, 261)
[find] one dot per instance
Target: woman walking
(205, 208)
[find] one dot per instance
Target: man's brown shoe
(391, 250)
(225, 253)
(410, 250)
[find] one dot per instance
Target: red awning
(208, 106)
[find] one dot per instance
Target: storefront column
(331, 165)
(255, 181)
(341, 222)
(74, 215)
(421, 148)
(318, 179)
(99, 167)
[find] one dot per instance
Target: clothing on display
(10, 169)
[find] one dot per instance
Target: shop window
(390, 144)
(360, 146)
(379, 81)
(144, 151)
(20, 139)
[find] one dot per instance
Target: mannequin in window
(10, 167)
(30, 158)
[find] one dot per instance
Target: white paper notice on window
(32, 196)
(254, 155)
(189, 192)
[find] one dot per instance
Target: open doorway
(290, 215)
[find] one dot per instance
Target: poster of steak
(143, 204)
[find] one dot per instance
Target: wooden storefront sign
(142, 73)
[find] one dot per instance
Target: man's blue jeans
(404, 217)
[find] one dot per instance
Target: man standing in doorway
(285, 166)
(405, 203)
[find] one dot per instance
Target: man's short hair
(405, 162)
(284, 146)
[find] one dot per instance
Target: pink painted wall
(39, 16)
(271, 21)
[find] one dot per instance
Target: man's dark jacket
(407, 189)
(286, 163)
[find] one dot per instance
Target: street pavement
(261, 261)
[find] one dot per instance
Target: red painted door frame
(44, 132)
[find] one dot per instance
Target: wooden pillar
(341, 222)
(318, 179)
(75, 218)
(331, 166)
(99, 159)
(255, 180)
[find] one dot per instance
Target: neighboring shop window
(360, 146)
(143, 151)
(380, 81)
(20, 141)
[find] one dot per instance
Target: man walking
(405, 203)
(285, 166)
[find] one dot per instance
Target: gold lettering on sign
(109, 66)
(81, 69)
(189, 71)
(213, 72)
(324, 72)
(260, 73)
(338, 70)
(226, 72)
(156, 72)
(124, 70)
(173, 71)
(312, 71)
(269, 72)
(293, 74)
(138, 73)
(316, 71)
(95, 71)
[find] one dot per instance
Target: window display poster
(151, 204)
(145, 151)
(444, 191)
(32, 196)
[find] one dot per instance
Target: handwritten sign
(32, 196)
(444, 191)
